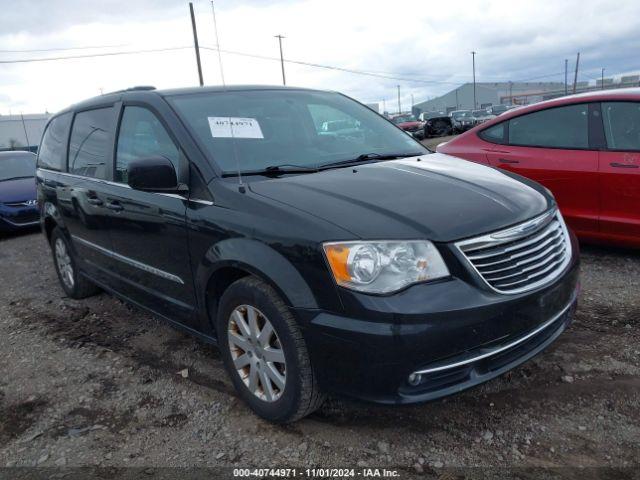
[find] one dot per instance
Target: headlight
(384, 267)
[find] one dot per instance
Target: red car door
(620, 172)
(552, 147)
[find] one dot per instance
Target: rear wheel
(265, 353)
(75, 285)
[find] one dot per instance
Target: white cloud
(427, 40)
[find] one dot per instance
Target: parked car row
(18, 206)
(584, 148)
(321, 248)
(434, 124)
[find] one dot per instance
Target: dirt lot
(97, 383)
(432, 143)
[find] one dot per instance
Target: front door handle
(623, 165)
(506, 160)
(94, 201)
(115, 206)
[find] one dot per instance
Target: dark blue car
(18, 206)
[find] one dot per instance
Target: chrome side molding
(129, 261)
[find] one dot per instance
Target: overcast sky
(426, 43)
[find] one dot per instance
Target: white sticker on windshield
(234, 127)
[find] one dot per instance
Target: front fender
(49, 211)
(260, 260)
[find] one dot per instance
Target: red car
(410, 124)
(584, 148)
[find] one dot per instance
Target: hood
(439, 119)
(407, 125)
(17, 190)
(440, 198)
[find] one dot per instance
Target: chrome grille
(521, 258)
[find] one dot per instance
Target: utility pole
(24, 126)
(412, 102)
(602, 80)
(399, 105)
(575, 76)
(195, 43)
(510, 92)
(475, 103)
(384, 105)
(566, 65)
(280, 37)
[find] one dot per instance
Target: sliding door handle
(623, 165)
(94, 201)
(115, 206)
(506, 160)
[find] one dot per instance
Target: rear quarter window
(622, 125)
(494, 134)
(91, 142)
(53, 148)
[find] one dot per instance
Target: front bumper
(461, 336)
(16, 218)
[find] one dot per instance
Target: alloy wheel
(257, 353)
(63, 261)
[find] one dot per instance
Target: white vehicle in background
(500, 109)
(482, 115)
(462, 120)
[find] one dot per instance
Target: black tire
(301, 394)
(79, 287)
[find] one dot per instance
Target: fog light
(414, 379)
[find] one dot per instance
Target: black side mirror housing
(154, 174)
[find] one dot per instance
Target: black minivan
(320, 260)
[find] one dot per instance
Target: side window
(622, 125)
(142, 135)
(494, 134)
(91, 137)
(561, 127)
(54, 143)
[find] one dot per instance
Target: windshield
(499, 108)
(18, 165)
(479, 113)
(461, 114)
(287, 127)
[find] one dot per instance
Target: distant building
(487, 94)
(515, 93)
(22, 132)
(374, 106)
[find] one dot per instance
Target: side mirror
(153, 174)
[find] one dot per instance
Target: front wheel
(265, 354)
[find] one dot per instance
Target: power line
(91, 55)
(331, 67)
(248, 55)
(231, 52)
(64, 49)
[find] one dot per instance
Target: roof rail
(137, 88)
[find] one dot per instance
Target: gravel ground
(98, 383)
(432, 143)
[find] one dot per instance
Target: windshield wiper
(276, 170)
(16, 178)
(289, 168)
(367, 157)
